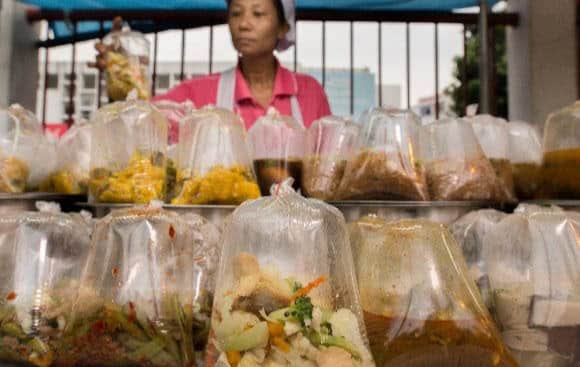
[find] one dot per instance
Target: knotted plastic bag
(286, 290)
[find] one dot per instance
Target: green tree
(455, 90)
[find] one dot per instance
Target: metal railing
(183, 20)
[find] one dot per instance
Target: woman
(258, 27)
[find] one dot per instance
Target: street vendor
(259, 81)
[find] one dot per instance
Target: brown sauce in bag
(398, 342)
(503, 171)
(561, 174)
(526, 179)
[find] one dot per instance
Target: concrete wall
(18, 56)
(542, 58)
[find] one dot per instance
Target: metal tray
(440, 211)
(564, 204)
(16, 203)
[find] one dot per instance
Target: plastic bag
(560, 169)
(41, 257)
(386, 165)
(493, 136)
(72, 173)
(27, 156)
(421, 307)
(330, 142)
(128, 153)
(142, 298)
(277, 145)
(525, 158)
(533, 259)
(286, 293)
(127, 58)
(470, 231)
(214, 163)
(174, 113)
(455, 165)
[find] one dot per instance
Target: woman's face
(255, 27)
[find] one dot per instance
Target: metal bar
(323, 54)
(437, 71)
(380, 64)
(100, 72)
(484, 59)
(211, 49)
(351, 68)
(464, 81)
(73, 77)
(45, 86)
(155, 45)
(190, 18)
(492, 73)
(408, 45)
(182, 64)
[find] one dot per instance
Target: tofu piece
(551, 313)
(512, 309)
(526, 340)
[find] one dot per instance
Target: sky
(309, 36)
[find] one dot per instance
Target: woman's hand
(100, 59)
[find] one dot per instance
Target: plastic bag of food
(277, 145)
(71, 175)
(560, 169)
(286, 292)
(493, 136)
(525, 158)
(41, 256)
(421, 308)
(128, 153)
(385, 165)
(214, 162)
(532, 260)
(469, 231)
(174, 112)
(143, 299)
(330, 142)
(455, 165)
(27, 156)
(127, 64)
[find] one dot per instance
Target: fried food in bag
(73, 162)
(277, 147)
(41, 256)
(128, 153)
(532, 259)
(330, 142)
(421, 308)
(27, 156)
(386, 165)
(214, 163)
(286, 293)
(493, 136)
(455, 165)
(561, 165)
(143, 297)
(127, 64)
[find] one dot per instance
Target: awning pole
(484, 58)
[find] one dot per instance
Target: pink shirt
(311, 97)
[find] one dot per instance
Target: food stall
(383, 242)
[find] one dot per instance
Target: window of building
(89, 81)
(163, 81)
(87, 99)
(86, 115)
(52, 81)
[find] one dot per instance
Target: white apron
(227, 88)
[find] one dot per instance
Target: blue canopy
(91, 29)
(396, 5)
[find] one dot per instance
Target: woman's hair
(279, 10)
